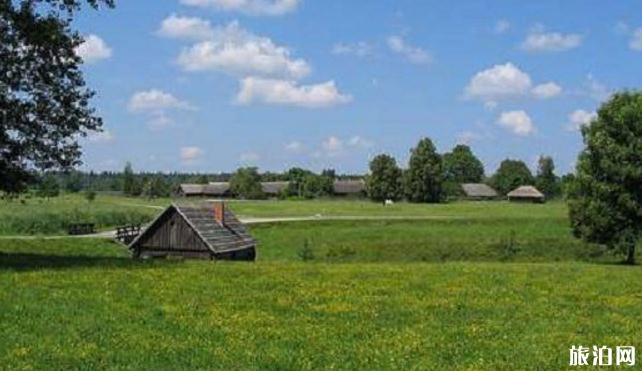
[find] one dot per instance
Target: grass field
(483, 286)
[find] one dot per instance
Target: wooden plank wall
(173, 234)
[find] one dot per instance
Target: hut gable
(206, 230)
(526, 193)
(478, 191)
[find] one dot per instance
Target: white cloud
(502, 26)
(359, 49)
(93, 49)
(283, 92)
(360, 142)
(251, 7)
(517, 121)
(332, 145)
(547, 90)
(497, 82)
(540, 41)
(579, 118)
(595, 89)
(176, 27)
(104, 136)
(414, 54)
(191, 154)
(636, 40)
(249, 157)
(294, 146)
(155, 100)
(236, 51)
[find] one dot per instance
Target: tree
(246, 183)
(510, 175)
(461, 166)
(313, 186)
(44, 103)
(129, 180)
(48, 187)
(385, 179)
(296, 176)
(546, 180)
(424, 177)
(605, 199)
(202, 179)
(73, 182)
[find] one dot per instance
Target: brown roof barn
(349, 187)
(274, 188)
(204, 230)
(526, 194)
(218, 189)
(478, 191)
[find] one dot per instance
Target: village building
(207, 230)
(215, 189)
(478, 191)
(274, 189)
(349, 188)
(526, 194)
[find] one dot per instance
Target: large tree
(546, 180)
(461, 166)
(605, 199)
(510, 175)
(44, 104)
(424, 177)
(246, 183)
(385, 179)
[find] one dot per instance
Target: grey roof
(211, 189)
(525, 192)
(478, 190)
(229, 236)
(349, 186)
(274, 188)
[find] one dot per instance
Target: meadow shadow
(30, 262)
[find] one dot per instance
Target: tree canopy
(43, 99)
(510, 175)
(246, 183)
(605, 198)
(546, 180)
(424, 177)
(461, 166)
(385, 179)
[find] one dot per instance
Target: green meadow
(474, 286)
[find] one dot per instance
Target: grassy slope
(92, 307)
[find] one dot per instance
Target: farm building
(218, 189)
(526, 194)
(273, 189)
(478, 191)
(349, 187)
(205, 230)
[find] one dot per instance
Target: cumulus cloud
(502, 26)
(517, 122)
(636, 40)
(192, 28)
(191, 154)
(359, 49)
(284, 92)
(540, 41)
(93, 49)
(250, 7)
(547, 90)
(579, 118)
(413, 54)
(155, 100)
(360, 142)
(236, 51)
(498, 82)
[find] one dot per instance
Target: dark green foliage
(129, 181)
(203, 179)
(48, 187)
(246, 183)
(90, 195)
(296, 176)
(316, 186)
(461, 166)
(385, 179)
(510, 175)
(424, 177)
(546, 181)
(306, 253)
(43, 98)
(605, 200)
(155, 186)
(73, 182)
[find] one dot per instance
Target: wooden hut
(526, 194)
(217, 189)
(274, 189)
(349, 187)
(478, 191)
(205, 230)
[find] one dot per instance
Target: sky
(211, 85)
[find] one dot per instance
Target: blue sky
(210, 85)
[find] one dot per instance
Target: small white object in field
(389, 202)
(317, 216)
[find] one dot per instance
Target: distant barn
(217, 189)
(349, 187)
(207, 230)
(526, 194)
(274, 189)
(478, 191)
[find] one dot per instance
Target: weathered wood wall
(172, 235)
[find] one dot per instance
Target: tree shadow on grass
(30, 262)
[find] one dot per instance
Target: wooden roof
(274, 188)
(349, 186)
(219, 238)
(478, 190)
(525, 192)
(211, 189)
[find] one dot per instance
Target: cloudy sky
(210, 85)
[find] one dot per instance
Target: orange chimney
(219, 212)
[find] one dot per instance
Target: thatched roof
(274, 188)
(231, 235)
(211, 189)
(478, 190)
(344, 187)
(525, 192)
